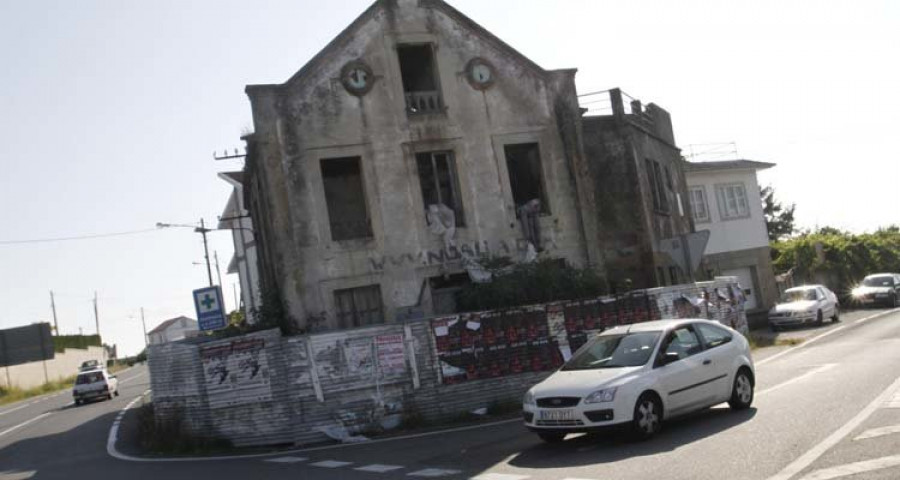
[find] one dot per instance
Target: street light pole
(145, 327)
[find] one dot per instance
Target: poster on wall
(494, 344)
(358, 357)
(391, 355)
(236, 373)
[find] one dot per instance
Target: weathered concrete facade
(637, 191)
(347, 139)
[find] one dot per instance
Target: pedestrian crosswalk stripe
(499, 476)
(286, 460)
(330, 464)
(878, 432)
(854, 468)
(378, 468)
(433, 472)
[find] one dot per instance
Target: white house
(173, 329)
(236, 218)
(725, 199)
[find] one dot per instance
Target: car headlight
(601, 396)
(529, 398)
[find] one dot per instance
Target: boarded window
(359, 307)
(420, 85)
(437, 177)
(523, 162)
(345, 199)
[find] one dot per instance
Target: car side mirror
(670, 357)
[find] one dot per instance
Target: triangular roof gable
(347, 35)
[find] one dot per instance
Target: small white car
(640, 375)
(94, 384)
(808, 304)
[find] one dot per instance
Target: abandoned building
(417, 142)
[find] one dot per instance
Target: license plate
(566, 414)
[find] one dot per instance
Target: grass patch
(170, 437)
(15, 394)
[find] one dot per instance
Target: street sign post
(210, 308)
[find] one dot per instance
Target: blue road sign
(210, 308)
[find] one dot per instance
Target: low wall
(35, 374)
(264, 389)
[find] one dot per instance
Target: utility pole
(218, 270)
(237, 306)
(53, 306)
(96, 315)
(145, 327)
(202, 230)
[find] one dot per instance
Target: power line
(81, 237)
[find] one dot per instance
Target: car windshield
(880, 281)
(612, 351)
(798, 295)
(87, 378)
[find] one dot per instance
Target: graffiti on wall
(455, 253)
(236, 373)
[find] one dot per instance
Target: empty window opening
(437, 177)
(657, 185)
(359, 307)
(345, 198)
(523, 162)
(420, 84)
(444, 290)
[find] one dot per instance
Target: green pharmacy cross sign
(210, 308)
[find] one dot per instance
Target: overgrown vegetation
(170, 437)
(838, 258)
(779, 219)
(269, 314)
(545, 280)
(15, 394)
(62, 342)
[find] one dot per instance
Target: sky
(110, 113)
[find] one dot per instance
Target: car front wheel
(742, 391)
(647, 419)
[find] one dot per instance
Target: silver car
(808, 304)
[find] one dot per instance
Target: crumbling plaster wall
(315, 118)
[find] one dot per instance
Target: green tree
(779, 219)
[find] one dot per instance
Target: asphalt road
(829, 408)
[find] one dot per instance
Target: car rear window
(86, 378)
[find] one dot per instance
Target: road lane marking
(17, 408)
(286, 460)
(499, 476)
(378, 468)
(817, 451)
(870, 317)
(878, 432)
(893, 402)
(798, 347)
(854, 468)
(819, 369)
(433, 472)
(330, 464)
(12, 429)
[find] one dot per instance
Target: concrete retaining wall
(35, 374)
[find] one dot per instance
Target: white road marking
(13, 429)
(286, 460)
(379, 468)
(499, 476)
(433, 472)
(870, 317)
(18, 408)
(330, 464)
(817, 451)
(570, 478)
(893, 402)
(854, 468)
(798, 347)
(878, 432)
(810, 373)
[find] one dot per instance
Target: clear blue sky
(110, 111)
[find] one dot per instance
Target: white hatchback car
(94, 384)
(639, 375)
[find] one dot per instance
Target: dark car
(879, 289)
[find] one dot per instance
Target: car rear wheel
(837, 314)
(647, 420)
(78, 402)
(742, 391)
(551, 437)
(895, 301)
(819, 318)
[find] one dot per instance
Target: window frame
(541, 181)
(357, 313)
(458, 206)
(722, 201)
(435, 72)
(370, 234)
(704, 200)
(706, 343)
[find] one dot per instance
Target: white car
(880, 288)
(803, 305)
(640, 375)
(94, 384)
